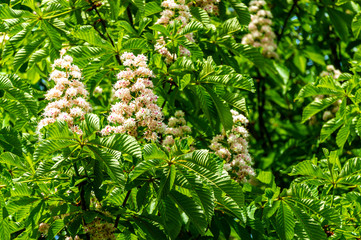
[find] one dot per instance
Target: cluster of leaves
(147, 192)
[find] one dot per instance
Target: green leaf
(88, 34)
(122, 143)
(5, 82)
(329, 127)
(151, 8)
(111, 162)
(200, 14)
(53, 34)
(230, 26)
(193, 210)
(24, 53)
(191, 27)
(320, 208)
(171, 216)
(309, 226)
(48, 147)
(222, 183)
(241, 11)
(285, 222)
(342, 135)
(339, 21)
(143, 167)
(135, 43)
(317, 106)
(202, 193)
(234, 80)
(223, 110)
(55, 228)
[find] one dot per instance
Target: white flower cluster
(75, 238)
(173, 10)
(100, 231)
(68, 98)
(233, 148)
(261, 33)
(177, 127)
(44, 228)
(137, 111)
(331, 71)
(208, 5)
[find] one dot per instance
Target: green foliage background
(308, 171)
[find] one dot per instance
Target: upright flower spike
(136, 111)
(173, 10)
(331, 71)
(177, 127)
(210, 6)
(232, 146)
(261, 33)
(68, 98)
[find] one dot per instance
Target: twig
(286, 20)
(102, 21)
(123, 205)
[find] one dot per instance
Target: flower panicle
(135, 111)
(261, 32)
(68, 98)
(232, 146)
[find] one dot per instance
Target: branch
(102, 21)
(123, 205)
(286, 20)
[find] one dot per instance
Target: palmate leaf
(14, 107)
(46, 148)
(350, 172)
(192, 26)
(120, 142)
(201, 15)
(236, 101)
(242, 11)
(317, 106)
(230, 26)
(90, 125)
(143, 167)
(309, 227)
(311, 90)
(151, 151)
(202, 193)
(134, 44)
(111, 162)
(24, 99)
(318, 207)
(55, 228)
(204, 100)
(151, 228)
(220, 182)
(229, 206)
(342, 135)
(166, 181)
(24, 53)
(233, 80)
(223, 110)
(13, 160)
(308, 168)
(53, 34)
(88, 34)
(329, 127)
(5, 82)
(151, 8)
(171, 217)
(191, 209)
(285, 222)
